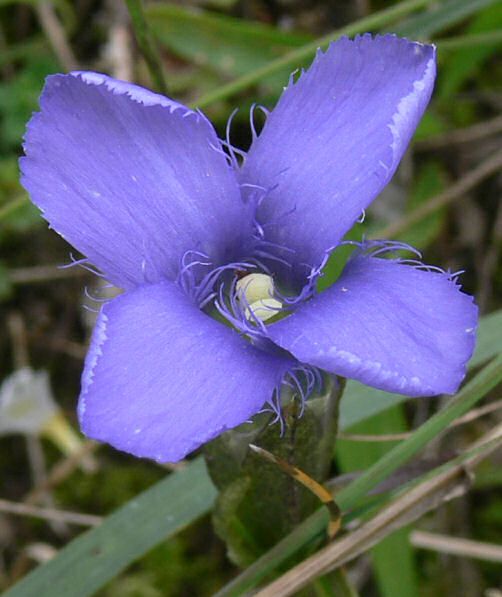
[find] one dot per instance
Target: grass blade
(447, 14)
(297, 57)
(471, 393)
(428, 493)
(97, 556)
(147, 44)
(393, 558)
(230, 45)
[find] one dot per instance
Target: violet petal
(130, 178)
(389, 325)
(335, 139)
(161, 377)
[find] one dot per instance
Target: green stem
(146, 44)
(295, 57)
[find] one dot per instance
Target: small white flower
(26, 402)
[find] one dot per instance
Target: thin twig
(44, 273)
(38, 468)
(61, 471)
(478, 131)
(119, 43)
(56, 35)
(457, 546)
(86, 520)
(17, 331)
(462, 186)
(393, 437)
(60, 344)
(36, 457)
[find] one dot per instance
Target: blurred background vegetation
(445, 200)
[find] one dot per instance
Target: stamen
(200, 287)
(303, 380)
(255, 287)
(251, 122)
(255, 293)
(84, 264)
(362, 217)
(264, 309)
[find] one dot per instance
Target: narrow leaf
(229, 45)
(97, 556)
(299, 56)
(393, 558)
(444, 15)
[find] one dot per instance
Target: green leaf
(361, 402)
(431, 124)
(19, 215)
(430, 181)
(441, 16)
(65, 9)
(5, 283)
(489, 340)
(466, 398)
(459, 66)
(471, 41)
(393, 559)
(228, 45)
(97, 556)
(37, 44)
(299, 56)
(146, 44)
(19, 97)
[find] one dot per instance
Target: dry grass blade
(450, 482)
(478, 131)
(86, 520)
(56, 35)
(457, 546)
(44, 273)
(61, 471)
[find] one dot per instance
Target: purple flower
(143, 187)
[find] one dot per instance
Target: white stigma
(256, 291)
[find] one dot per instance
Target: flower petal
(388, 325)
(132, 179)
(335, 139)
(161, 377)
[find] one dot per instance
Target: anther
(256, 293)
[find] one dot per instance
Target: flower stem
(146, 44)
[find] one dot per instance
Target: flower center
(255, 293)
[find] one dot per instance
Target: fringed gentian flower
(218, 257)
